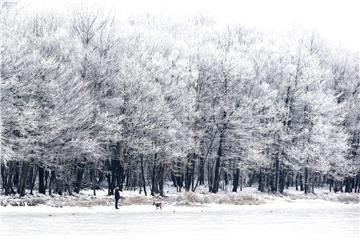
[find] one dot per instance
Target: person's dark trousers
(116, 203)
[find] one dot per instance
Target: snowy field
(248, 196)
(300, 219)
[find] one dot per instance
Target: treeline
(88, 100)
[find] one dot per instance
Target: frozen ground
(279, 219)
(249, 196)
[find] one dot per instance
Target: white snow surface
(248, 196)
(278, 219)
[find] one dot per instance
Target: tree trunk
(79, 178)
(46, 178)
(154, 185)
(51, 181)
(42, 180)
(210, 175)
(188, 176)
(161, 179)
(348, 184)
(275, 187)
(226, 178)
(282, 179)
(301, 183)
(357, 184)
(215, 186)
(33, 180)
(6, 176)
(306, 176)
(113, 175)
(108, 179)
(23, 178)
(261, 187)
(236, 180)
(330, 184)
(201, 178)
(252, 178)
(143, 174)
(312, 182)
(241, 182)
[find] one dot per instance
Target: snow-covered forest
(90, 100)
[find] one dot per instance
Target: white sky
(337, 21)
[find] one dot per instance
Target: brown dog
(158, 205)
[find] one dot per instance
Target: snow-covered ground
(249, 196)
(201, 215)
(300, 219)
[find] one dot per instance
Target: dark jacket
(117, 194)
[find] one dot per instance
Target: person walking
(117, 197)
